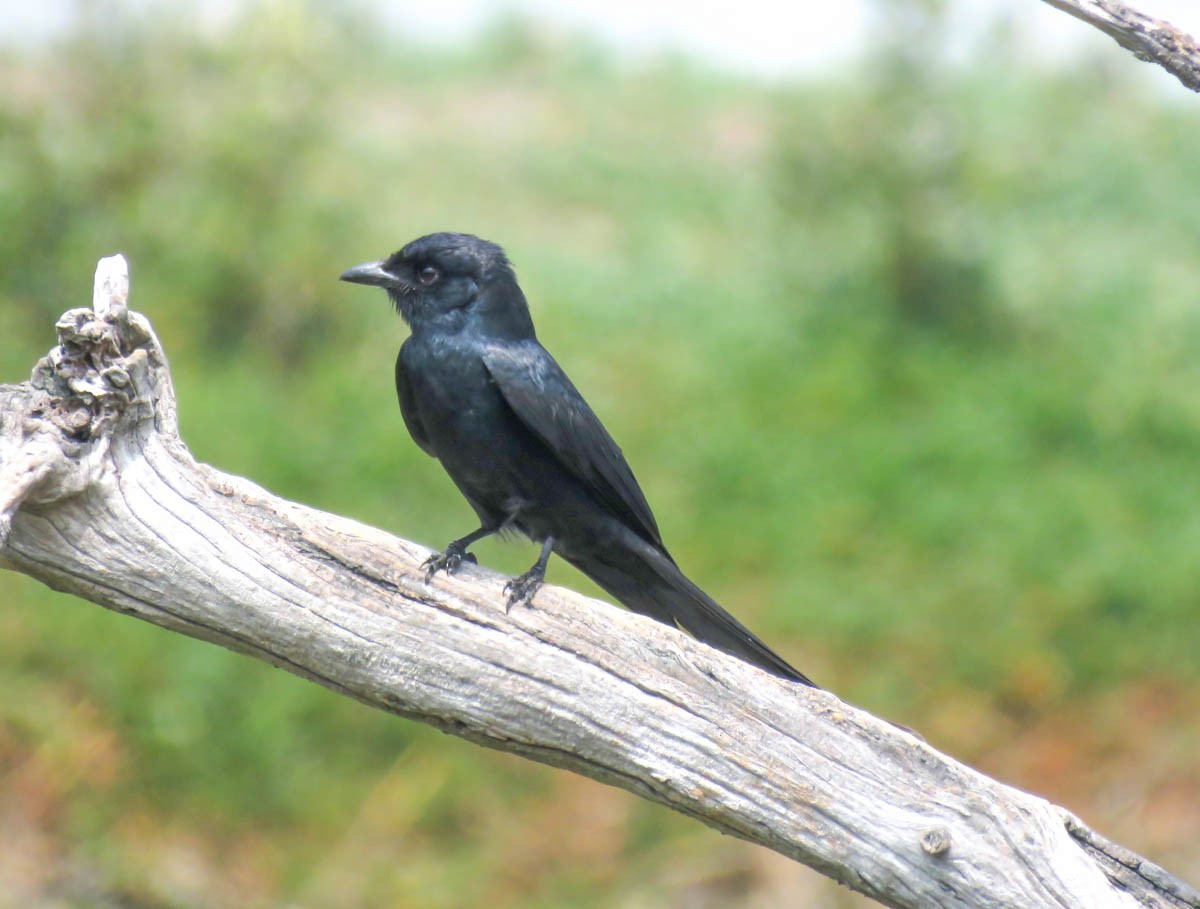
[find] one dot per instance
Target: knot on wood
(97, 372)
(936, 841)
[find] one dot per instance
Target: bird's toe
(449, 561)
(520, 591)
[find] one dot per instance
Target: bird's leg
(455, 554)
(521, 590)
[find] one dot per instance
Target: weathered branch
(99, 497)
(1149, 39)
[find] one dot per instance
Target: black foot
(448, 561)
(521, 590)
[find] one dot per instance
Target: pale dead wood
(100, 497)
(1149, 39)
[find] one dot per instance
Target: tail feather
(646, 580)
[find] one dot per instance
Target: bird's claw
(449, 561)
(520, 591)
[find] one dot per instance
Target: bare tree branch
(99, 497)
(1149, 39)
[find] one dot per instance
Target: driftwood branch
(99, 497)
(1149, 39)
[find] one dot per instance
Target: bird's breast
(472, 430)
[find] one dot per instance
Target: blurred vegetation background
(905, 358)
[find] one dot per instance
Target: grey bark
(1147, 38)
(99, 497)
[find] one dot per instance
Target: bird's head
(449, 281)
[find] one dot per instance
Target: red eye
(428, 275)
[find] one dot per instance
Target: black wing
(408, 407)
(546, 401)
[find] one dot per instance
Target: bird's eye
(428, 275)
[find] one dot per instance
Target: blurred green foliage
(905, 363)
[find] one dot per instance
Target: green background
(904, 356)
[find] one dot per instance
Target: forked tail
(646, 580)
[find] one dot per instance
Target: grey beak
(368, 273)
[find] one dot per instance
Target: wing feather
(547, 402)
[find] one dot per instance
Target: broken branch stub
(108, 367)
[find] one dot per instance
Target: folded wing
(550, 406)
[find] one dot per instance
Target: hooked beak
(372, 273)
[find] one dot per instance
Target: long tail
(646, 580)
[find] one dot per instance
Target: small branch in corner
(1147, 38)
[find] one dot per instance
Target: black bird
(480, 394)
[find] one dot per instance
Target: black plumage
(480, 394)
